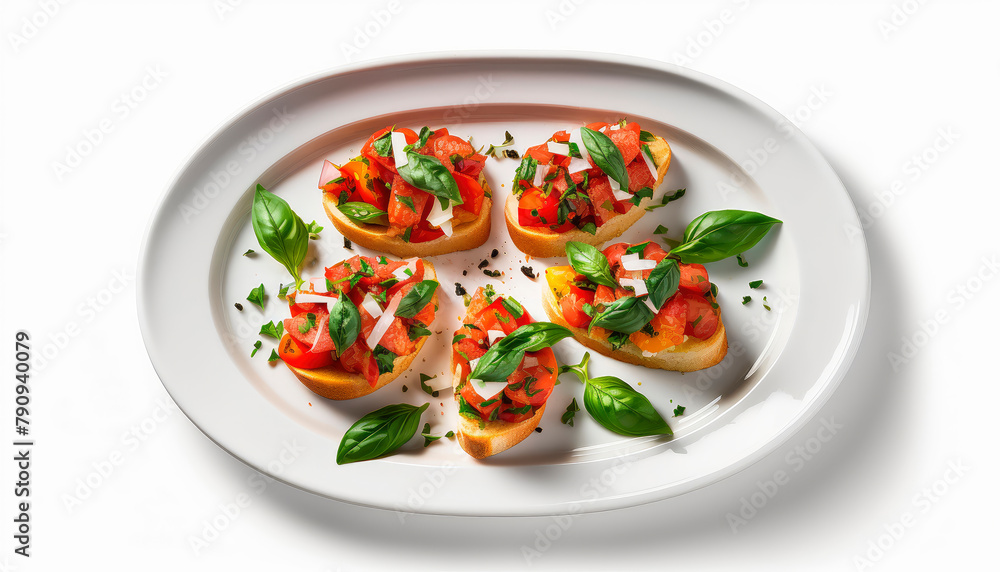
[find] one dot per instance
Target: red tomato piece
(471, 192)
(627, 142)
(397, 338)
(358, 359)
(702, 319)
(508, 414)
(400, 214)
(294, 325)
(603, 295)
(639, 175)
(694, 278)
(533, 384)
(540, 153)
(470, 396)
(449, 145)
(296, 354)
(472, 166)
(601, 199)
(535, 209)
(572, 306)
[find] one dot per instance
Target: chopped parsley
(678, 411)
(257, 296)
(746, 300)
(256, 346)
(756, 284)
(571, 409)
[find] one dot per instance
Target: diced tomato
(603, 295)
(295, 324)
(694, 278)
(328, 175)
(654, 252)
(469, 394)
(597, 126)
(408, 282)
(449, 145)
(472, 165)
(396, 339)
(639, 175)
(572, 306)
(668, 327)
(400, 214)
(496, 317)
(540, 153)
(601, 197)
(478, 303)
(367, 147)
(471, 192)
(359, 359)
(424, 233)
(561, 136)
(296, 354)
(544, 374)
(469, 347)
(507, 414)
(702, 319)
(615, 252)
(535, 209)
(627, 142)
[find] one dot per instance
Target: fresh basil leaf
(429, 174)
(513, 306)
(256, 296)
(663, 281)
(571, 409)
(273, 357)
(519, 410)
(362, 212)
(422, 137)
(279, 231)
(424, 378)
(660, 229)
(646, 136)
(309, 324)
(379, 433)
(344, 323)
(384, 359)
(589, 228)
(505, 356)
(417, 332)
(643, 193)
(590, 262)
(605, 154)
(313, 229)
(406, 234)
(637, 248)
(466, 410)
(283, 290)
(717, 235)
(742, 261)
(408, 201)
(273, 330)
(746, 300)
(458, 338)
(256, 346)
(756, 284)
(416, 299)
(621, 409)
(673, 197)
(525, 171)
(625, 315)
(383, 145)
(249, 252)
(617, 340)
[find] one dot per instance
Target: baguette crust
(373, 236)
(334, 382)
(691, 355)
(541, 242)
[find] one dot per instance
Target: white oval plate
(730, 151)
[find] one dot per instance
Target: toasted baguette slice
(465, 236)
(691, 355)
(541, 242)
(495, 436)
(334, 382)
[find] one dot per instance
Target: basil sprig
(605, 154)
(625, 315)
(363, 212)
(344, 323)
(380, 433)
(525, 172)
(663, 281)
(429, 174)
(416, 299)
(616, 405)
(590, 262)
(504, 356)
(279, 231)
(716, 235)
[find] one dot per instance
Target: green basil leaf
(344, 323)
(673, 196)
(429, 174)
(363, 212)
(273, 357)
(256, 346)
(408, 201)
(422, 137)
(379, 433)
(513, 306)
(717, 235)
(637, 248)
(589, 228)
(417, 332)
(279, 231)
(504, 356)
(663, 281)
(643, 193)
(621, 409)
(416, 299)
(256, 296)
(384, 358)
(383, 145)
(525, 172)
(313, 229)
(590, 262)
(646, 136)
(571, 409)
(605, 154)
(273, 330)
(625, 315)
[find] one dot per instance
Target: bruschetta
(496, 414)
(410, 193)
(360, 326)
(587, 185)
(634, 303)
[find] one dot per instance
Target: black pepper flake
(493, 273)
(404, 389)
(465, 273)
(511, 154)
(528, 271)
(495, 253)
(538, 429)
(347, 244)
(239, 306)
(459, 290)
(484, 264)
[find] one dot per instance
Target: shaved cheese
(398, 144)
(581, 163)
(495, 335)
(472, 365)
(649, 162)
(304, 298)
(638, 285)
(318, 284)
(557, 148)
(320, 327)
(615, 127)
(384, 321)
(446, 227)
(371, 306)
(648, 354)
(540, 173)
(400, 273)
(620, 195)
(577, 164)
(438, 213)
(488, 389)
(633, 262)
(603, 129)
(530, 361)
(649, 304)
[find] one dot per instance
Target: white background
(873, 84)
